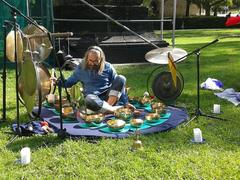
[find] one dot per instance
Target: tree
(214, 4)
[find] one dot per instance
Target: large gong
(10, 46)
(163, 86)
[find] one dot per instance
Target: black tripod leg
(213, 117)
(18, 134)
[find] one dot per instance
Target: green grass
(168, 155)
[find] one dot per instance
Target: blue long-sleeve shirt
(93, 83)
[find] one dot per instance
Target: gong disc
(163, 86)
(28, 74)
(10, 46)
(28, 101)
(43, 88)
(45, 82)
(40, 45)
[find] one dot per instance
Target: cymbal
(10, 46)
(160, 55)
(41, 45)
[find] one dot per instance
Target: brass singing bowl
(96, 118)
(136, 122)
(145, 100)
(123, 113)
(152, 117)
(159, 110)
(40, 45)
(87, 118)
(116, 124)
(67, 111)
(158, 107)
(10, 46)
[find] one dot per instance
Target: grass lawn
(168, 155)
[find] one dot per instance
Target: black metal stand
(18, 130)
(61, 132)
(198, 111)
(14, 12)
(4, 74)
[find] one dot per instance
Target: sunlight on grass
(166, 155)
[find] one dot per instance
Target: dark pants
(95, 103)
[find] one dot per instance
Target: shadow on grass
(34, 142)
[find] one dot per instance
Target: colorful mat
(78, 128)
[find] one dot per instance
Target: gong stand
(61, 132)
(15, 12)
(4, 75)
(198, 111)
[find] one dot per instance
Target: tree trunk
(215, 11)
(208, 10)
(188, 8)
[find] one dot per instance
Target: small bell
(137, 145)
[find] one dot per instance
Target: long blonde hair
(100, 56)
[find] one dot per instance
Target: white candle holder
(25, 155)
(197, 136)
(216, 108)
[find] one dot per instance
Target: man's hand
(130, 106)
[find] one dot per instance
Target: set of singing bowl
(158, 107)
(136, 122)
(116, 124)
(96, 118)
(152, 117)
(124, 113)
